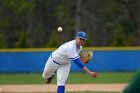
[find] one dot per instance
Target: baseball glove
(86, 56)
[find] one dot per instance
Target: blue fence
(103, 60)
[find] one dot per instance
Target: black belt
(55, 61)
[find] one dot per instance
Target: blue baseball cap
(82, 35)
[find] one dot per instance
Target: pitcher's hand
(94, 74)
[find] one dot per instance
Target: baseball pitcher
(60, 61)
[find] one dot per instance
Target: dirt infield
(69, 87)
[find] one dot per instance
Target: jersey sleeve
(79, 63)
(72, 53)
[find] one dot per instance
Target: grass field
(36, 78)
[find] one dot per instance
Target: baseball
(59, 29)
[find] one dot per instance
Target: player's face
(80, 41)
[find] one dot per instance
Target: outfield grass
(74, 78)
(106, 77)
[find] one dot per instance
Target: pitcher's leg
(62, 75)
(49, 69)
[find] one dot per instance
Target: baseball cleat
(50, 79)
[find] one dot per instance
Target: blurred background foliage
(33, 23)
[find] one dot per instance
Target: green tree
(23, 42)
(53, 42)
(99, 18)
(3, 43)
(119, 38)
